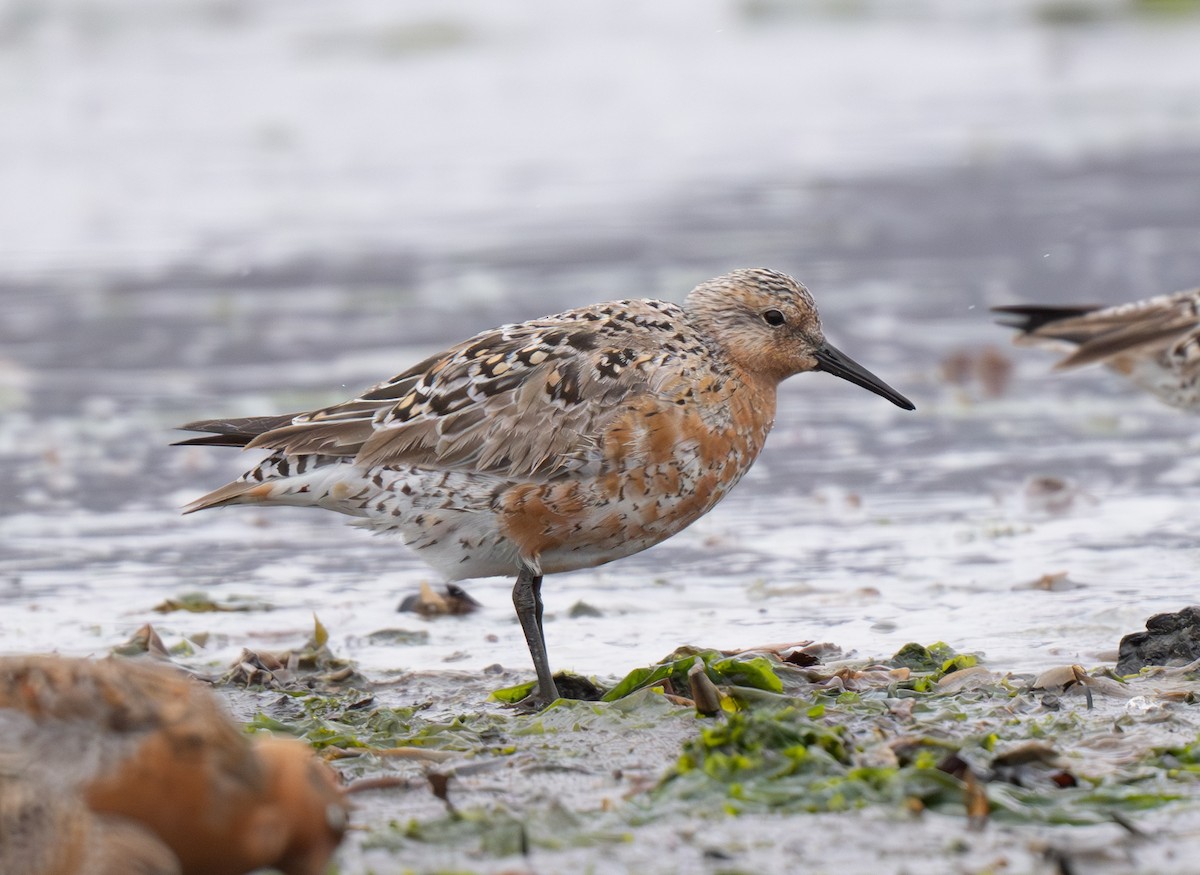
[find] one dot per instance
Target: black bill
(835, 362)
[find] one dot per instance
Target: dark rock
(1169, 639)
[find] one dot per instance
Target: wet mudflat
(803, 757)
(1026, 519)
(862, 524)
(1029, 522)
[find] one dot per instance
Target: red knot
(1155, 342)
(556, 444)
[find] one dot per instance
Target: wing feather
(1155, 325)
(530, 399)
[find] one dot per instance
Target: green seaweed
(754, 672)
(750, 672)
(801, 756)
(794, 742)
(935, 657)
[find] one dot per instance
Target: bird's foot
(571, 687)
(533, 703)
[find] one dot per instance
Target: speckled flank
(1154, 342)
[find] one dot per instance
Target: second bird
(1155, 342)
(555, 444)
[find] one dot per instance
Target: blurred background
(225, 207)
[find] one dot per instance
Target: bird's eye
(773, 317)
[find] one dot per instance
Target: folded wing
(526, 400)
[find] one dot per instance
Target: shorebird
(1155, 342)
(119, 766)
(555, 444)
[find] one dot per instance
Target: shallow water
(861, 524)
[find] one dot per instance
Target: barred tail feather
(230, 493)
(298, 481)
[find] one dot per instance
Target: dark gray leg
(527, 599)
(537, 600)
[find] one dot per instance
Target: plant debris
(200, 603)
(704, 735)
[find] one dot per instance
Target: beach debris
(283, 669)
(202, 603)
(428, 603)
(989, 367)
(144, 641)
(705, 694)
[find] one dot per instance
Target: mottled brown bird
(556, 444)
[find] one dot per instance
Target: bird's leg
(537, 601)
(527, 599)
